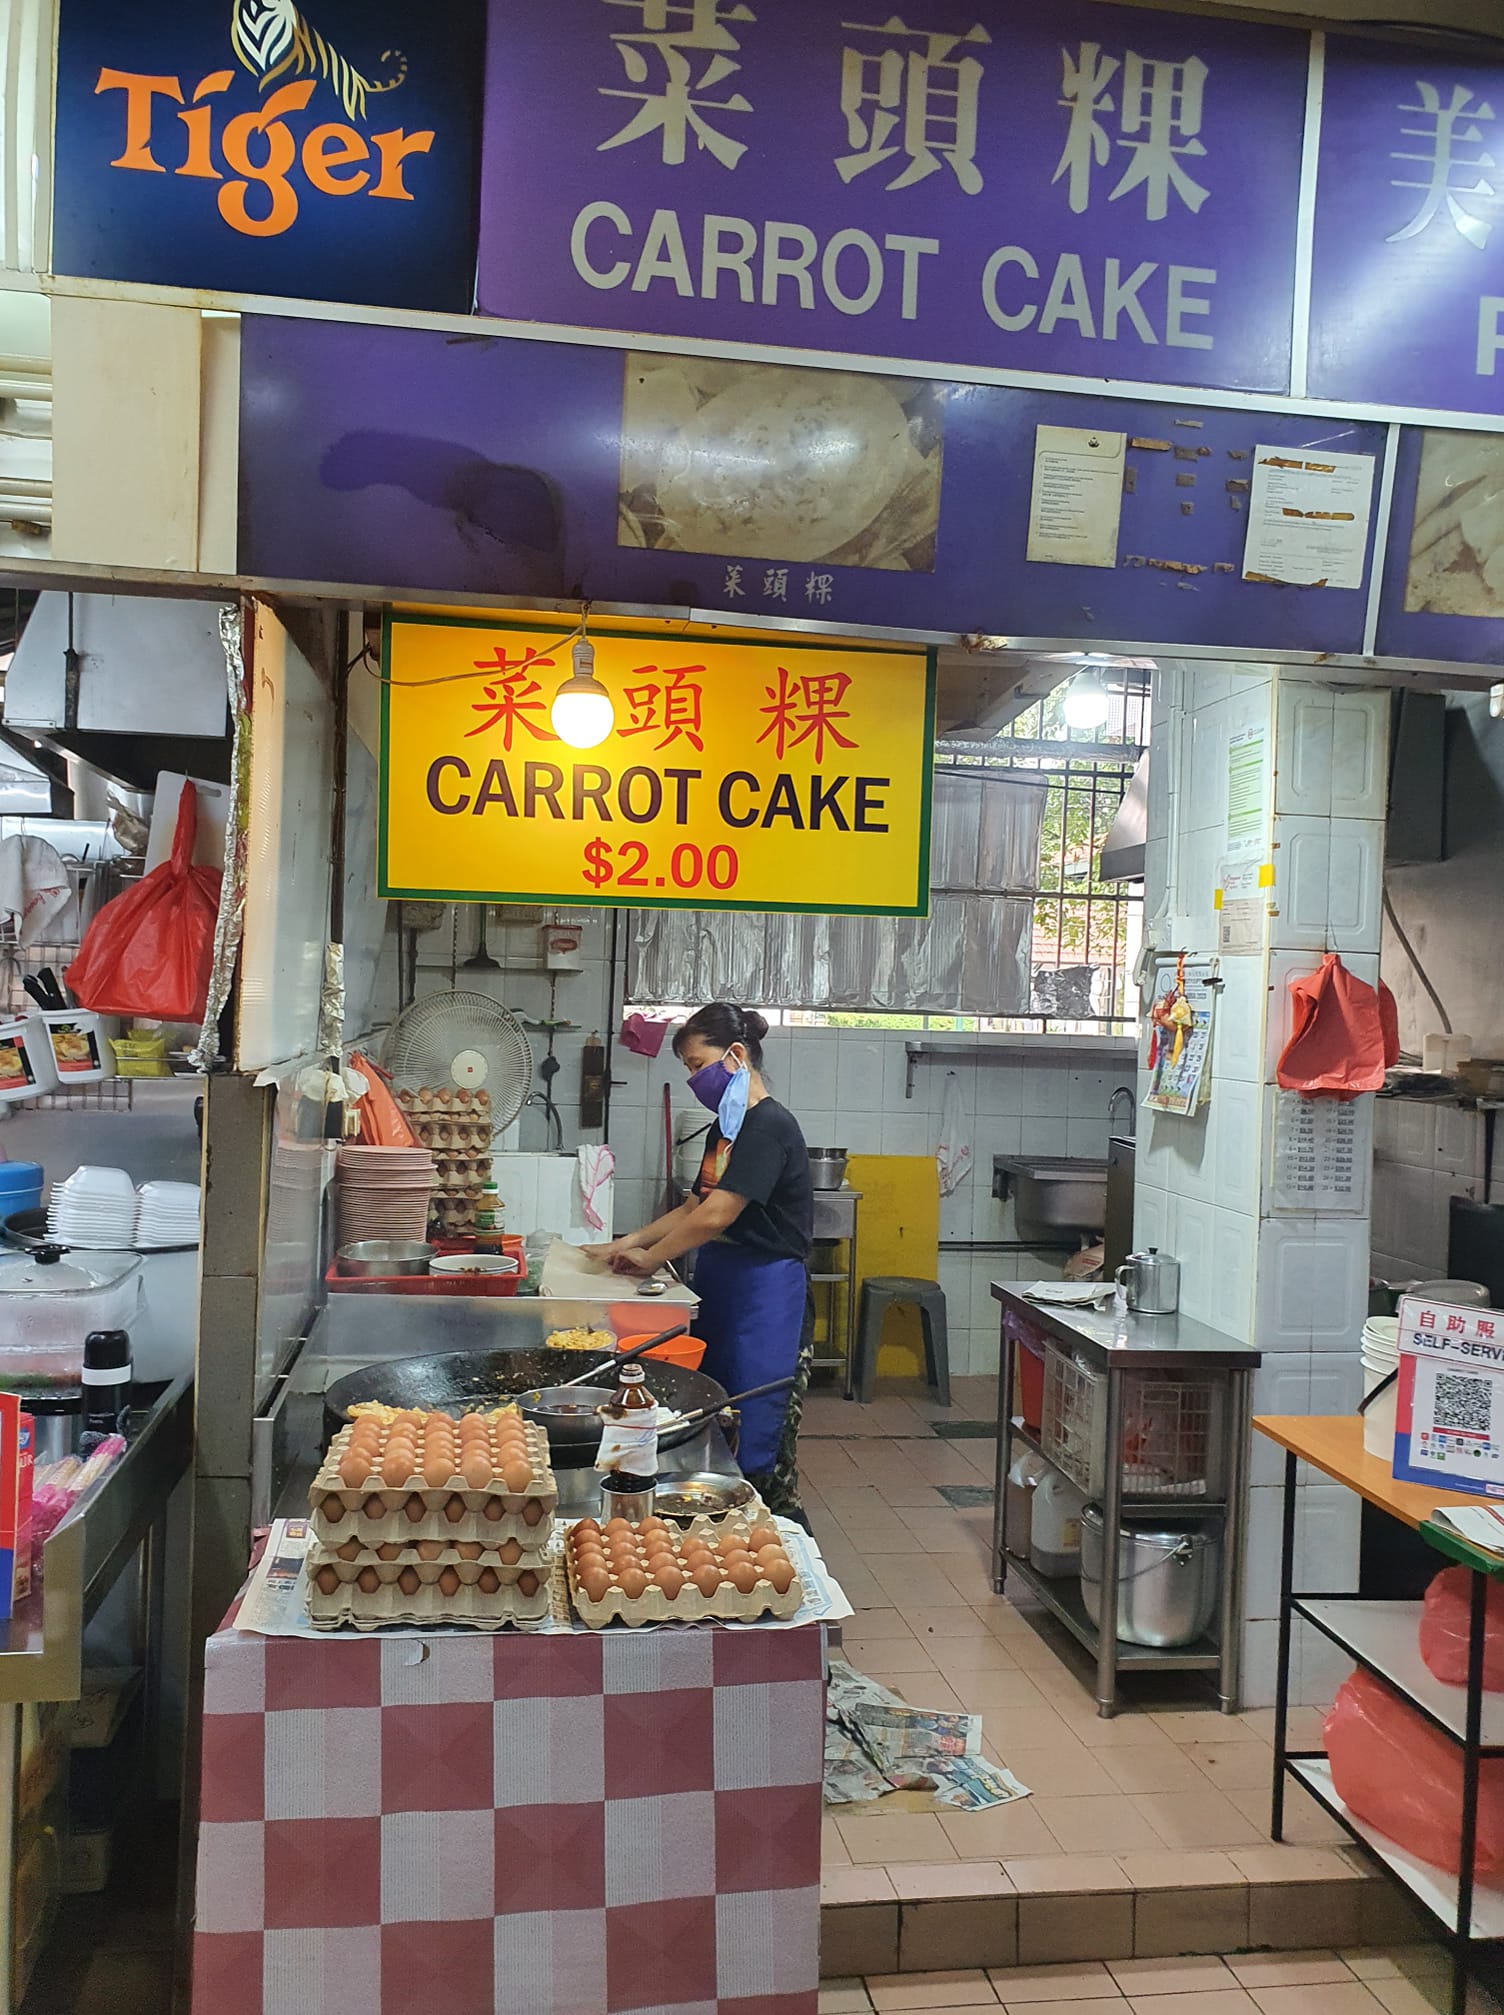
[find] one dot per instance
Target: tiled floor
(1146, 1834)
(1400, 1980)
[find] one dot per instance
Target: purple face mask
(709, 1083)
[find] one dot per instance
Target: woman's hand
(633, 1261)
(606, 1254)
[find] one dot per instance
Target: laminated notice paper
(1077, 498)
(1308, 517)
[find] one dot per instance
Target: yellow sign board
(779, 775)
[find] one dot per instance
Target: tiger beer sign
(250, 146)
(760, 776)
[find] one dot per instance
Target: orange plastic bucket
(684, 1350)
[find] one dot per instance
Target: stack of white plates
(383, 1192)
(94, 1209)
(167, 1215)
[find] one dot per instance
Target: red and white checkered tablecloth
(612, 1824)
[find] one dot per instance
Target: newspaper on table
(876, 1742)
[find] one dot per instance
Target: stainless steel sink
(1053, 1192)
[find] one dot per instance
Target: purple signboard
(407, 461)
(1443, 594)
(1076, 189)
(1407, 290)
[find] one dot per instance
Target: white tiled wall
(847, 1088)
(1424, 1155)
(1297, 1286)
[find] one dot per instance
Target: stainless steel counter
(1132, 1342)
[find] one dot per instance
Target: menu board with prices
(1322, 1154)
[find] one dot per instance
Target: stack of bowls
(1381, 1357)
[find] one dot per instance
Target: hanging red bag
(148, 953)
(1338, 1043)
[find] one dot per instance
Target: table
(835, 1224)
(1114, 1345)
(598, 1823)
(1382, 1637)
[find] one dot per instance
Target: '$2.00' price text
(630, 866)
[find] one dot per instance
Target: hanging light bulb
(582, 713)
(1087, 701)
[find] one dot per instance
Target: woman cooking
(750, 1221)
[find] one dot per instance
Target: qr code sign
(1463, 1405)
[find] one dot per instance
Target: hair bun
(756, 1025)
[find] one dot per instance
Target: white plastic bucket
(1378, 1414)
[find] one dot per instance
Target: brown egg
(493, 1509)
(650, 1524)
(781, 1574)
(761, 1536)
(353, 1469)
(369, 1580)
(367, 1435)
(350, 1550)
(594, 1583)
(449, 1582)
(527, 1582)
(454, 1509)
(511, 1552)
(696, 1555)
(430, 1549)
(375, 1507)
(743, 1577)
(489, 1581)
(585, 1525)
(734, 1556)
(333, 1510)
(415, 1509)
(707, 1578)
(389, 1551)
(408, 1581)
(327, 1580)
(616, 1525)
(632, 1583)
(473, 1427)
(517, 1475)
(476, 1470)
(670, 1580)
(438, 1467)
(660, 1557)
(396, 1466)
(532, 1511)
(469, 1549)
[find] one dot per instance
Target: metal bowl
(827, 1167)
(704, 1494)
(381, 1258)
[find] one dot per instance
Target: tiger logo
(273, 39)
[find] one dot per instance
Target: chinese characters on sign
(742, 780)
(809, 176)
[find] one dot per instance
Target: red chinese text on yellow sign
(778, 776)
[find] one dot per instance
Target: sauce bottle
(490, 1220)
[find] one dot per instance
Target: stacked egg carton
(731, 1571)
(419, 1518)
(454, 1124)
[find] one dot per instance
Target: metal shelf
(1161, 1502)
(41, 1648)
(1062, 1597)
(1384, 1637)
(1112, 1051)
(1435, 1888)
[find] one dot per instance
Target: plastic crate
(443, 1285)
(1174, 1445)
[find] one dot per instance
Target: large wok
(462, 1381)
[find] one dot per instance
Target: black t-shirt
(768, 1165)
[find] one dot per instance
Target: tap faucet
(1123, 1091)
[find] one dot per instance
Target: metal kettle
(1150, 1281)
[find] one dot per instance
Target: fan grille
(431, 1037)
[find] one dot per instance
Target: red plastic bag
(1444, 1629)
(1400, 1775)
(149, 951)
(382, 1121)
(1338, 1044)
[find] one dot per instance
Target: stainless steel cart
(1094, 1368)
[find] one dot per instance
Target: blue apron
(752, 1315)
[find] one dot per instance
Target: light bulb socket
(583, 658)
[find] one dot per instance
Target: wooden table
(1383, 1638)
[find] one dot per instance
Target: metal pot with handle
(1150, 1281)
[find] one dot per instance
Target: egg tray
(508, 1510)
(430, 1572)
(429, 1608)
(509, 1559)
(726, 1605)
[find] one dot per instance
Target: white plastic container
(27, 1068)
(81, 1050)
(1055, 1526)
(1024, 1478)
(1380, 1355)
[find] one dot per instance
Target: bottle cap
(107, 1350)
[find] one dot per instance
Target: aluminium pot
(827, 1167)
(1169, 1578)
